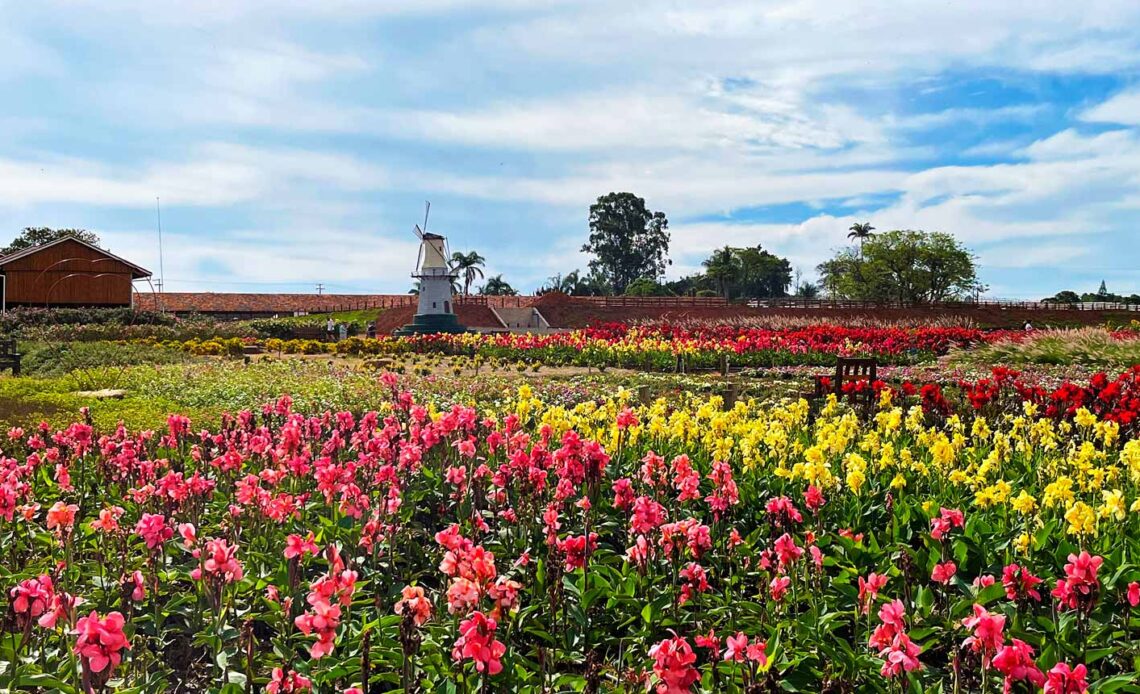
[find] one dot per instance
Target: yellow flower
(1024, 503)
(1082, 519)
(1021, 544)
(1084, 418)
(899, 482)
(1113, 506)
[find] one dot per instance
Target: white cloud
(219, 174)
(1123, 108)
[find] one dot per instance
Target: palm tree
(862, 232)
(497, 286)
(722, 267)
(470, 265)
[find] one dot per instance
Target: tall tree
(627, 240)
(470, 266)
(37, 236)
(497, 286)
(861, 231)
(723, 268)
(910, 266)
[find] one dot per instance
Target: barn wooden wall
(68, 273)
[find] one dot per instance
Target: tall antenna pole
(320, 289)
(161, 272)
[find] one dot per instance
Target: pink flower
(757, 652)
(152, 528)
(414, 604)
(869, 589)
(287, 683)
(779, 587)
(1015, 661)
(1065, 680)
(61, 517)
(323, 618)
(900, 656)
(987, 635)
(947, 520)
(783, 512)
(477, 643)
(100, 641)
(136, 586)
(32, 597)
(813, 499)
(737, 647)
(1080, 587)
(673, 661)
(943, 572)
(787, 551)
(1134, 594)
(296, 546)
(221, 563)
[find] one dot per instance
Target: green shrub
(60, 359)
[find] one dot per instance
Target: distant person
(330, 329)
(371, 330)
(1028, 327)
(342, 331)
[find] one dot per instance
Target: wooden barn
(68, 272)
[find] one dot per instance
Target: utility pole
(320, 288)
(161, 273)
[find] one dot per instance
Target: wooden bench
(9, 357)
(848, 370)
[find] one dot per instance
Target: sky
(292, 142)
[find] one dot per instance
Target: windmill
(434, 313)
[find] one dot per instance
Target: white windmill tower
(435, 312)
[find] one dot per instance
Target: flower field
(603, 546)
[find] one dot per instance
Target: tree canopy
(748, 272)
(497, 286)
(37, 236)
(627, 240)
(902, 265)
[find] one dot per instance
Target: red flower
(1134, 594)
(1020, 585)
(1065, 680)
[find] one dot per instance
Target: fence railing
(793, 302)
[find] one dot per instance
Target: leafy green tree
(807, 290)
(469, 266)
(903, 265)
(497, 286)
(748, 272)
(762, 274)
(627, 240)
(1065, 297)
(37, 236)
(645, 286)
(723, 268)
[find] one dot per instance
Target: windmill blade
(419, 232)
(427, 210)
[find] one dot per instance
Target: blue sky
(294, 142)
